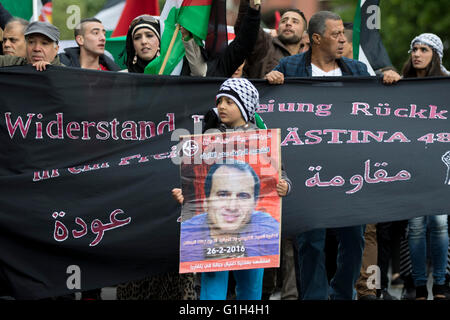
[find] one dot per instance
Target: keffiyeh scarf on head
(243, 93)
(434, 42)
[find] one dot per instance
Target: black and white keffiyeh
(434, 42)
(243, 93)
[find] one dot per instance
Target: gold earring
(135, 59)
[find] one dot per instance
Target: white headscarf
(434, 42)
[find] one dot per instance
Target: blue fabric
(417, 239)
(248, 285)
(313, 274)
(260, 237)
(299, 65)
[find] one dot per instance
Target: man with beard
(269, 50)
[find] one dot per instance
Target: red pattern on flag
(187, 3)
(134, 8)
(277, 19)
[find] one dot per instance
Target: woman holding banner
(142, 43)
(425, 60)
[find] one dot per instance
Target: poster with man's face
(231, 215)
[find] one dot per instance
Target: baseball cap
(44, 28)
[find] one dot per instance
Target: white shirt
(317, 72)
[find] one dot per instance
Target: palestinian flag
(191, 14)
(110, 14)
(22, 9)
(194, 16)
(367, 44)
(132, 9)
(30, 9)
(117, 14)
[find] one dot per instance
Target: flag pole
(35, 16)
(172, 42)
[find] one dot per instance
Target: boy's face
(229, 113)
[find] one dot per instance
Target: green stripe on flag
(177, 52)
(356, 31)
(22, 9)
(116, 46)
(195, 19)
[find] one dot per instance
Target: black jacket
(226, 62)
(239, 49)
(71, 58)
(267, 51)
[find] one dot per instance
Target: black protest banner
(88, 161)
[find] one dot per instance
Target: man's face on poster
(231, 200)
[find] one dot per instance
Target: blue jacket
(299, 65)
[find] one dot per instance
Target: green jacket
(7, 61)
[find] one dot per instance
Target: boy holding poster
(231, 191)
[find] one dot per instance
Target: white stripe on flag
(362, 58)
(110, 17)
(164, 13)
(37, 6)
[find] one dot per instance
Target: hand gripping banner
(89, 160)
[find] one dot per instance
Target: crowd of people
(319, 264)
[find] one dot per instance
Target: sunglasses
(145, 18)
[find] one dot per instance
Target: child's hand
(282, 188)
(178, 195)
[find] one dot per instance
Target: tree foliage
(402, 20)
(61, 18)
